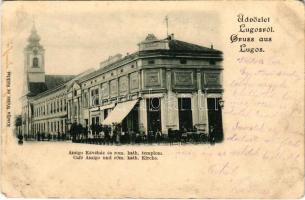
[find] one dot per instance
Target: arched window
(35, 62)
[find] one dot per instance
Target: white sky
(79, 35)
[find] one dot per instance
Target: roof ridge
(190, 45)
(60, 75)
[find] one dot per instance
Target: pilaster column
(78, 109)
(171, 104)
(140, 79)
(143, 115)
(201, 99)
(117, 88)
(128, 84)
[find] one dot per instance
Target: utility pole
(166, 21)
(33, 21)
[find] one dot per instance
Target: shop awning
(119, 112)
(107, 106)
(94, 109)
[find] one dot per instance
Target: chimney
(212, 46)
(172, 36)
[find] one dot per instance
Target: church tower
(34, 59)
(34, 77)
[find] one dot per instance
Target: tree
(18, 123)
(18, 120)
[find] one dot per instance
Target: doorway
(131, 121)
(185, 114)
(153, 114)
(215, 119)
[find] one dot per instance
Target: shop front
(125, 114)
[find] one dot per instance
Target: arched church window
(35, 62)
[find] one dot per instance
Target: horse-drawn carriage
(187, 136)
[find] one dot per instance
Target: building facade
(166, 85)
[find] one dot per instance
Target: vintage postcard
(153, 99)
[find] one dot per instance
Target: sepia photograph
(152, 99)
(166, 91)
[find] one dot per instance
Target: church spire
(34, 58)
(34, 38)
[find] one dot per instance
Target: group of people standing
(100, 134)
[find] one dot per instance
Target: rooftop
(51, 81)
(167, 46)
(150, 45)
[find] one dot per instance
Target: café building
(166, 84)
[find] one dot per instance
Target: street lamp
(221, 103)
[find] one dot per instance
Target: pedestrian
(158, 136)
(212, 135)
(20, 139)
(86, 132)
(38, 136)
(73, 131)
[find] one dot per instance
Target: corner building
(166, 84)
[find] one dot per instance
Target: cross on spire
(33, 21)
